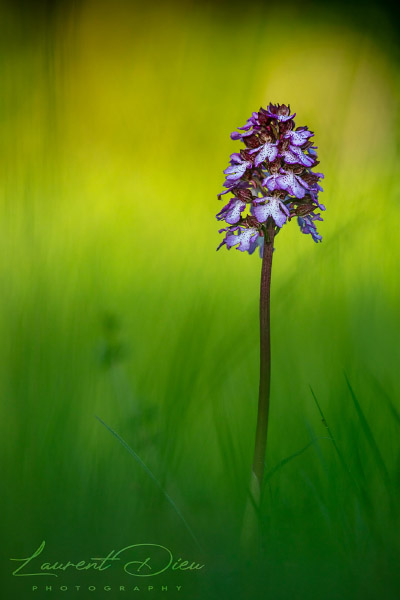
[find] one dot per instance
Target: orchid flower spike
(272, 180)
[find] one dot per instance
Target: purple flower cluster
(271, 180)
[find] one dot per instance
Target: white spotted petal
(271, 207)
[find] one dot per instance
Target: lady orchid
(271, 179)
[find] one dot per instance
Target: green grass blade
(286, 460)
(393, 410)
(227, 448)
(383, 393)
(153, 478)
(369, 435)
(358, 487)
(325, 423)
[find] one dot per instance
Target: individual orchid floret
(246, 237)
(267, 151)
(298, 137)
(259, 243)
(281, 112)
(294, 155)
(271, 206)
(238, 135)
(314, 188)
(231, 213)
(271, 182)
(252, 122)
(307, 225)
(233, 186)
(237, 168)
(292, 183)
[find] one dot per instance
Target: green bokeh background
(115, 121)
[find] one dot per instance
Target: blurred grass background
(115, 122)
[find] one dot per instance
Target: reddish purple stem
(265, 357)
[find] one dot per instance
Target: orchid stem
(265, 358)
(250, 536)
